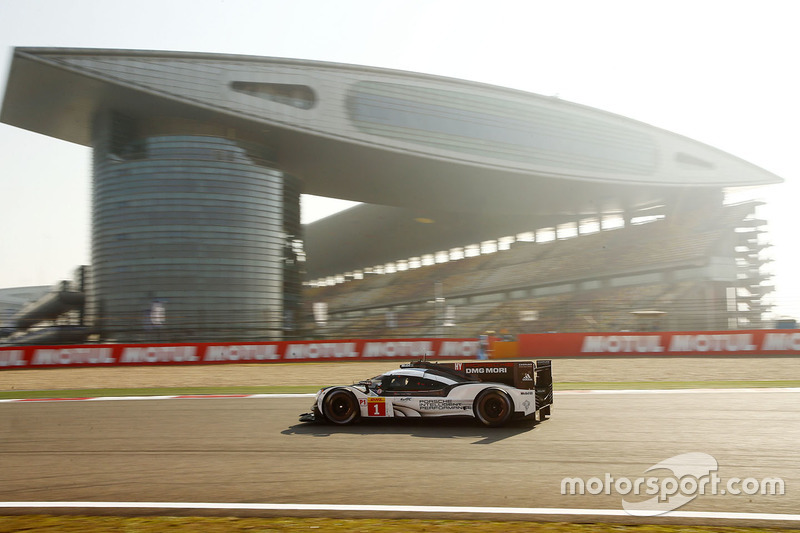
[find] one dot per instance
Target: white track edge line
(676, 391)
(576, 392)
(395, 508)
(170, 397)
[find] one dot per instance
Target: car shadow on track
(423, 428)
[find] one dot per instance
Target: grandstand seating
(590, 282)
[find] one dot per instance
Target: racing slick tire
(493, 408)
(340, 407)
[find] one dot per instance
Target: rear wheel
(493, 408)
(340, 407)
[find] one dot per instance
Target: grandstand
(481, 207)
(690, 270)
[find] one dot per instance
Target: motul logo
(403, 349)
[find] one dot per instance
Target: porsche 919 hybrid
(494, 393)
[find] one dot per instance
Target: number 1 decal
(376, 407)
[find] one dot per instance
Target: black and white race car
(492, 392)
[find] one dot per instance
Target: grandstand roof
(381, 136)
(480, 160)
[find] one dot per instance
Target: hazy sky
(724, 72)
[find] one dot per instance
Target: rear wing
(519, 374)
(528, 375)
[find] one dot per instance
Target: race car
(492, 392)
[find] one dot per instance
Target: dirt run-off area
(565, 370)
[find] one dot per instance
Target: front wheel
(493, 408)
(340, 407)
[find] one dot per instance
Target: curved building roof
(382, 136)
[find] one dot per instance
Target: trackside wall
(23, 357)
(534, 346)
(738, 342)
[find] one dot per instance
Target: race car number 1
(376, 406)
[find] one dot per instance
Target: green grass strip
(304, 389)
(157, 391)
(157, 524)
(646, 385)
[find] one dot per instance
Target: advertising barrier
(26, 357)
(533, 346)
(737, 342)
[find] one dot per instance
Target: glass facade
(508, 129)
(196, 234)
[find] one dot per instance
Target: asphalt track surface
(255, 450)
